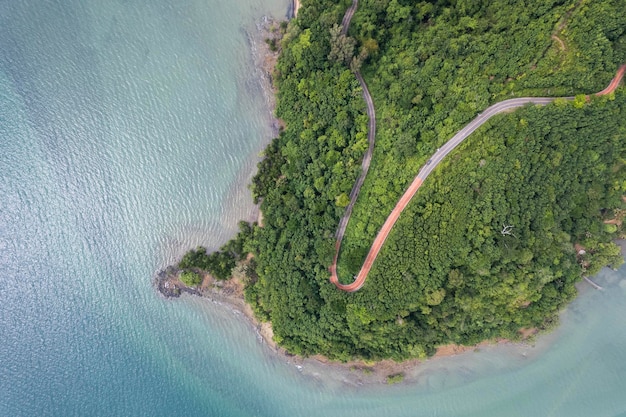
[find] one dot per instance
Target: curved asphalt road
(365, 165)
(432, 163)
(367, 159)
(347, 17)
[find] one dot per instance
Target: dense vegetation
(438, 66)
(460, 274)
(219, 263)
(451, 270)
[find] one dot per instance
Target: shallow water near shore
(128, 133)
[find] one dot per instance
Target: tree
(342, 200)
(579, 101)
(341, 46)
(190, 278)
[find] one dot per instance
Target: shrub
(190, 278)
(395, 378)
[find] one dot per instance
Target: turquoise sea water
(128, 132)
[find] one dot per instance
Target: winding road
(347, 17)
(432, 163)
(365, 166)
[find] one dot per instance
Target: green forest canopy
(447, 272)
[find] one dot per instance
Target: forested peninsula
(498, 234)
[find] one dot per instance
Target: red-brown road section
(429, 167)
(378, 242)
(614, 82)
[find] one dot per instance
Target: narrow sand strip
(296, 7)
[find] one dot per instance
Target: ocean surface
(129, 130)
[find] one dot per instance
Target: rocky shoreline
(169, 286)
(264, 44)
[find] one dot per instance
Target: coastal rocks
(168, 284)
